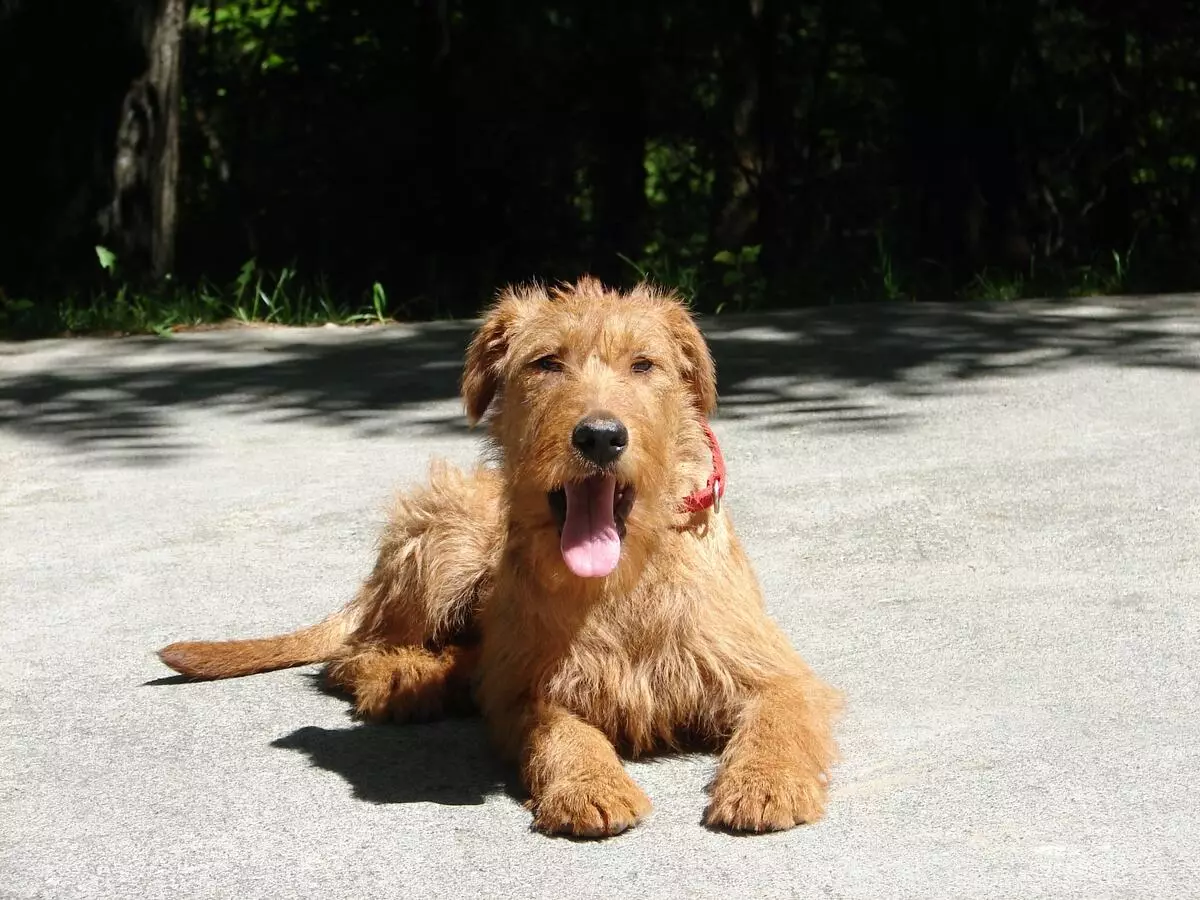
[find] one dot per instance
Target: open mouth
(591, 517)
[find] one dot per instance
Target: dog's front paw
(764, 800)
(593, 807)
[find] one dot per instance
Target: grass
(1112, 276)
(734, 281)
(255, 296)
(889, 282)
(741, 286)
(1109, 275)
(683, 277)
(990, 286)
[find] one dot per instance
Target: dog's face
(589, 389)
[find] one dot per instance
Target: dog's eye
(549, 363)
(642, 365)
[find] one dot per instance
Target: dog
(583, 587)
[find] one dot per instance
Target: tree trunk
(773, 127)
(1116, 212)
(736, 201)
(619, 117)
(60, 109)
(142, 219)
(166, 70)
(619, 174)
(963, 149)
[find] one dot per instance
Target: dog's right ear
(488, 349)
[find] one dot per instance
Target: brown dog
(588, 592)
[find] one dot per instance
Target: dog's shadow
(449, 761)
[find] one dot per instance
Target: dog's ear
(699, 371)
(484, 366)
(481, 371)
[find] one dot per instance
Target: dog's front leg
(773, 771)
(575, 779)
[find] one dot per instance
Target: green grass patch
(731, 281)
(256, 295)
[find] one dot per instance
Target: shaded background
(754, 153)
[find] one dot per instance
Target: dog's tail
(318, 643)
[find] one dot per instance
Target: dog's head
(590, 391)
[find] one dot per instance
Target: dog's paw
(759, 801)
(593, 808)
(404, 700)
(395, 687)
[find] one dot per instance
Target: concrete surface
(981, 523)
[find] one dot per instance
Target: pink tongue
(591, 546)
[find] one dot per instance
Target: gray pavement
(982, 524)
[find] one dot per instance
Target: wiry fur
(470, 600)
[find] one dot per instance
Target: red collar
(714, 489)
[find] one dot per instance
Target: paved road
(982, 525)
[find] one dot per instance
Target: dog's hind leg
(435, 563)
(414, 651)
(407, 684)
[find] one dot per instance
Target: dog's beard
(591, 514)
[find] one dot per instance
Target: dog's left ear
(699, 371)
(483, 369)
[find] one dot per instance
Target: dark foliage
(755, 152)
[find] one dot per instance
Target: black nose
(600, 438)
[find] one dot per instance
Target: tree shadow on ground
(120, 398)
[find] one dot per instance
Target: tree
(751, 151)
(141, 220)
(94, 153)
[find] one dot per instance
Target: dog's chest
(641, 680)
